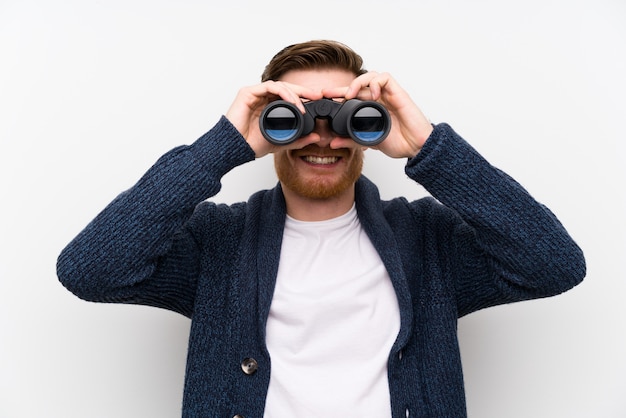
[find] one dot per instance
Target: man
(316, 298)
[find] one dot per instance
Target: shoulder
(228, 218)
(399, 210)
(423, 213)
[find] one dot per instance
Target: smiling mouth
(320, 160)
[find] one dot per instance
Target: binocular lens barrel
(368, 125)
(281, 124)
(366, 122)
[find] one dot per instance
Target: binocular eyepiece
(366, 122)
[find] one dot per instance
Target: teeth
(320, 160)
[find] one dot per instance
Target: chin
(319, 189)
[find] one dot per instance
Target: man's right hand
(250, 101)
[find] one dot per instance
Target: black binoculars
(366, 122)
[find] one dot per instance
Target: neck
(311, 210)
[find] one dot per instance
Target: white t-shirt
(333, 319)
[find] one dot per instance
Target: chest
(333, 319)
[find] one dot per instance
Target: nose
(322, 128)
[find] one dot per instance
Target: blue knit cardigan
(485, 241)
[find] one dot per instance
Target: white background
(92, 92)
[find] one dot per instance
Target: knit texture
(484, 241)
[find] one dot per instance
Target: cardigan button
(238, 416)
(249, 366)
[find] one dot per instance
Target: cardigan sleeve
(507, 247)
(142, 233)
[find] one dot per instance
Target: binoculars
(366, 122)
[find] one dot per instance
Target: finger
(335, 92)
(379, 83)
(368, 86)
(351, 91)
(293, 93)
(259, 95)
(266, 90)
(359, 84)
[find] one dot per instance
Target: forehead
(319, 79)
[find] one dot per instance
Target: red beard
(318, 185)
